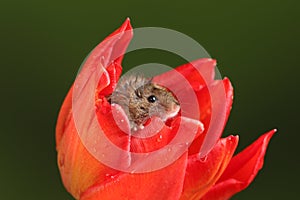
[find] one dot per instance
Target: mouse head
(152, 100)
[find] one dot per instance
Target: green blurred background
(43, 44)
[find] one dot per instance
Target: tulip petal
(164, 184)
(115, 126)
(211, 99)
(123, 36)
(145, 153)
(192, 77)
(78, 168)
(204, 99)
(199, 72)
(108, 81)
(112, 48)
(202, 173)
(241, 170)
(93, 60)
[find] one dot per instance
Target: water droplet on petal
(94, 149)
(159, 139)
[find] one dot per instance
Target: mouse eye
(152, 99)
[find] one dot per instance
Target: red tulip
(206, 169)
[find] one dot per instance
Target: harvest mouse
(141, 99)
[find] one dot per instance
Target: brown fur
(132, 94)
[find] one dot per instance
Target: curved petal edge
(241, 170)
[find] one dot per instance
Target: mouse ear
(141, 78)
(139, 92)
(150, 80)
